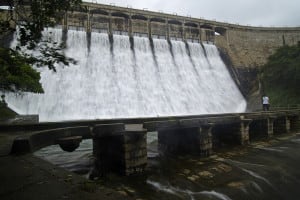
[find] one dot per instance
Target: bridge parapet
(33, 141)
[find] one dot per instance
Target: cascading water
(116, 80)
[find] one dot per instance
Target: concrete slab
(28, 177)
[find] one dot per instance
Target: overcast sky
(244, 12)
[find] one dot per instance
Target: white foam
(177, 191)
(105, 84)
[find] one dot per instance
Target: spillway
(139, 78)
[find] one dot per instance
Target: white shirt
(265, 100)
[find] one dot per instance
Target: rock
(186, 171)
(236, 184)
(205, 174)
(193, 178)
(225, 168)
(217, 169)
(123, 193)
(129, 190)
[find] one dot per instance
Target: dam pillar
(65, 22)
(168, 30)
(110, 25)
(194, 140)
(117, 150)
(88, 23)
(213, 35)
(183, 32)
(199, 28)
(149, 28)
(130, 27)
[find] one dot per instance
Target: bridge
(247, 47)
(120, 146)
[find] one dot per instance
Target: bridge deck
(202, 118)
(39, 135)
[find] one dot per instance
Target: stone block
(103, 130)
(124, 153)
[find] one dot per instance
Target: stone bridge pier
(119, 150)
(267, 126)
(262, 128)
(294, 123)
(191, 140)
(231, 133)
(281, 125)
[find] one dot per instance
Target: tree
(281, 75)
(30, 17)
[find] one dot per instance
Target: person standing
(265, 102)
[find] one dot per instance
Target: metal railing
(285, 107)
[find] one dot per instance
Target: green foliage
(281, 76)
(16, 73)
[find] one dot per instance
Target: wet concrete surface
(28, 177)
(263, 170)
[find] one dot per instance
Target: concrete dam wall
(244, 48)
(178, 53)
(247, 46)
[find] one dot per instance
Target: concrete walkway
(28, 177)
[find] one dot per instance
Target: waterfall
(121, 79)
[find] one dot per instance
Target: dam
(139, 63)
(123, 78)
(168, 83)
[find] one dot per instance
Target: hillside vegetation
(281, 75)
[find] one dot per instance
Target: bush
(281, 75)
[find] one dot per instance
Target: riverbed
(266, 169)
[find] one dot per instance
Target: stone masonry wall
(250, 48)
